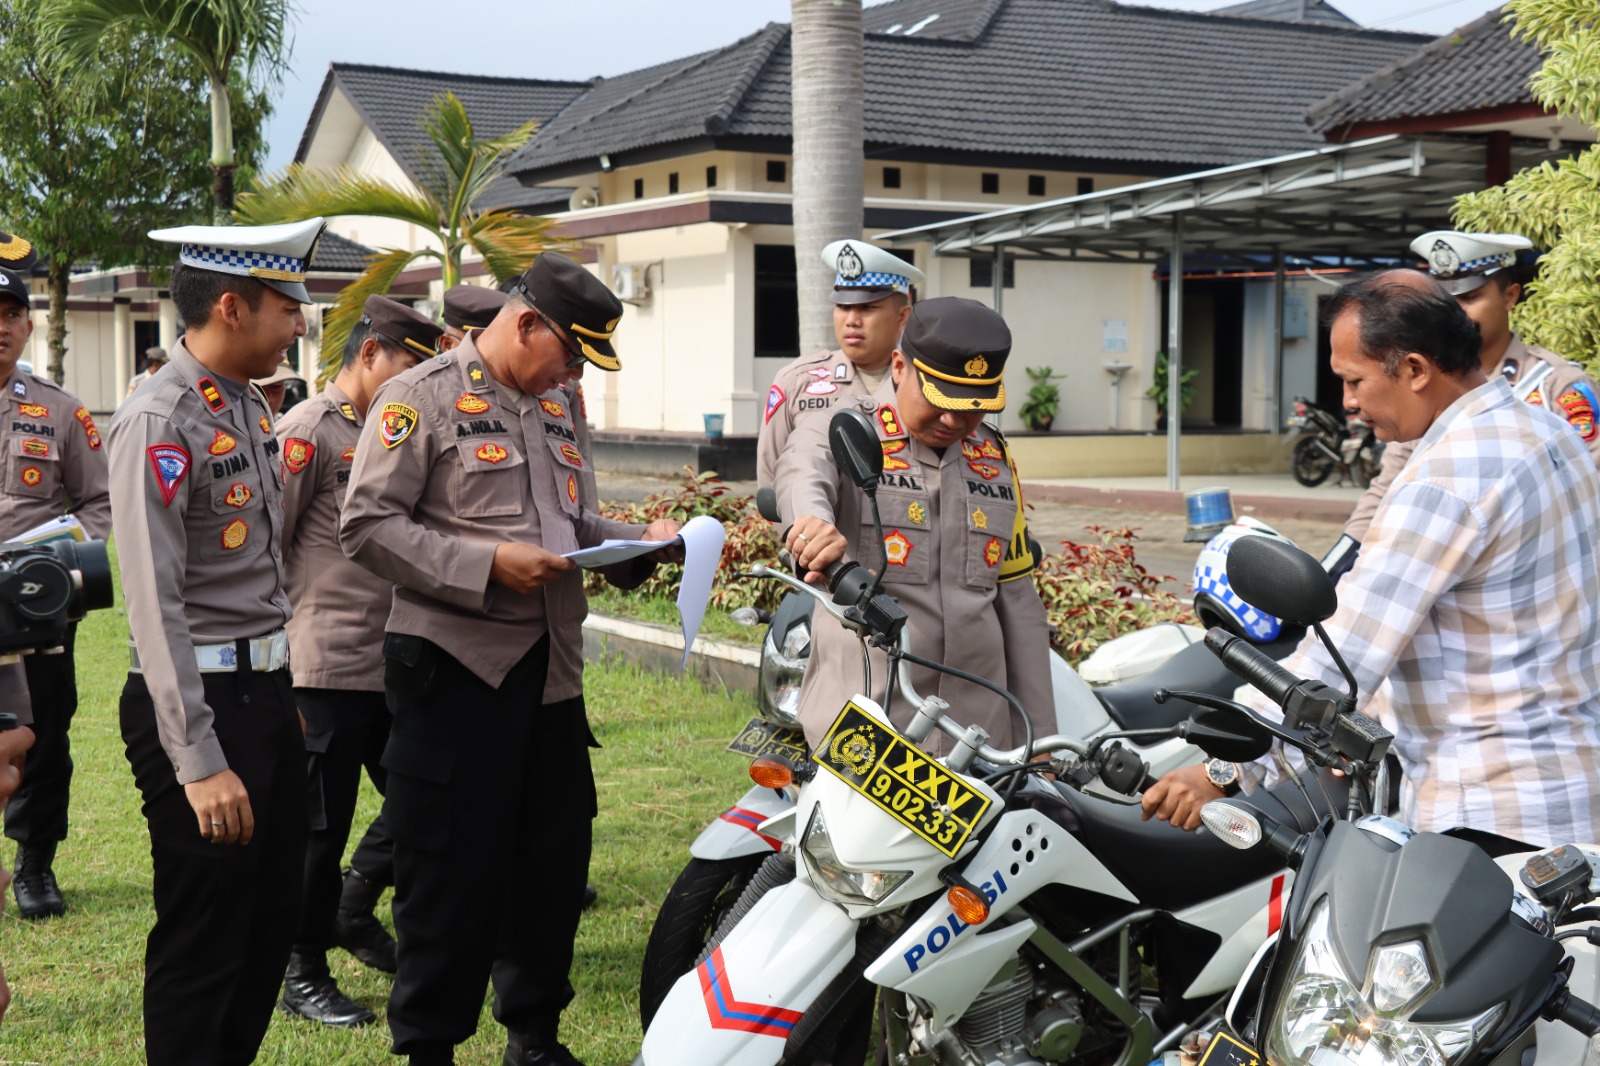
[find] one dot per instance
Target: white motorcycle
(1008, 919)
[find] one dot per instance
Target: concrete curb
(733, 667)
(1169, 502)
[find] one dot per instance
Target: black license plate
(910, 786)
(760, 738)
(1224, 1050)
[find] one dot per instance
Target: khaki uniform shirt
(809, 384)
(948, 527)
(1558, 382)
(197, 495)
(445, 472)
(336, 634)
(54, 464)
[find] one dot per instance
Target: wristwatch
(1225, 775)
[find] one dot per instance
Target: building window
(891, 177)
(711, 177)
(991, 184)
(980, 273)
(777, 171)
(777, 310)
(672, 183)
(1036, 185)
(1085, 185)
(638, 188)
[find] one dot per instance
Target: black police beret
(398, 324)
(578, 302)
(959, 348)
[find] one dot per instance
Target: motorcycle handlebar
(1251, 665)
(1584, 1017)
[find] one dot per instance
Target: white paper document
(613, 551)
(67, 527)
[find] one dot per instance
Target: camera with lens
(46, 587)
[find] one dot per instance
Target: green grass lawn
(76, 981)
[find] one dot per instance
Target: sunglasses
(575, 356)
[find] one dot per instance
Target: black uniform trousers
(37, 812)
(225, 913)
(345, 730)
(491, 800)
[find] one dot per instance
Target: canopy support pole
(1174, 351)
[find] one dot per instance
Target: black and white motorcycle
(1397, 947)
(1005, 917)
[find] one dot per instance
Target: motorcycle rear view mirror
(1274, 576)
(855, 447)
(1226, 735)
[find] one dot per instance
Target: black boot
(310, 992)
(38, 895)
(590, 895)
(538, 1049)
(357, 930)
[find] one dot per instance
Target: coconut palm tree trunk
(56, 323)
(827, 92)
(222, 158)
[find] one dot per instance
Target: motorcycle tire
(695, 905)
(1309, 465)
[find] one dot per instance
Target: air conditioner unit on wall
(631, 282)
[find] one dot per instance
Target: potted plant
(1044, 398)
(1158, 389)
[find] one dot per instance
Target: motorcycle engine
(1014, 1021)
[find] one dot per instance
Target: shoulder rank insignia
(897, 548)
(841, 372)
(891, 458)
(471, 405)
(553, 409)
(775, 398)
(475, 373)
(297, 454)
(397, 423)
(348, 412)
(491, 452)
(211, 395)
(18, 388)
(171, 465)
(31, 476)
(35, 446)
(238, 495)
(82, 415)
(34, 410)
(234, 534)
(1578, 404)
(889, 421)
(572, 455)
(222, 444)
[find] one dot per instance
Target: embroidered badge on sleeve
(297, 454)
(775, 398)
(171, 465)
(82, 415)
(397, 423)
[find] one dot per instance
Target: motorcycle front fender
(734, 833)
(739, 1006)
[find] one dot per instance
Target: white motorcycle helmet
(1215, 602)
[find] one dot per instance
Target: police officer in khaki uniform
(871, 299)
(466, 308)
(466, 494)
(336, 641)
(1479, 269)
(154, 359)
(955, 550)
(52, 465)
(208, 715)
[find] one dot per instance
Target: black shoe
(357, 929)
(590, 894)
(310, 992)
(34, 884)
(543, 1053)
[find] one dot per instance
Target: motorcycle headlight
(836, 881)
(1324, 1019)
(782, 670)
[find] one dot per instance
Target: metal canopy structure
(1358, 201)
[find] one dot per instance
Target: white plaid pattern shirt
(1478, 595)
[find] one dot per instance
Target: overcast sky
(576, 40)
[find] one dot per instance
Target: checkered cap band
(875, 279)
(1472, 266)
(1263, 627)
(237, 261)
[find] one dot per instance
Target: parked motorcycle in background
(1325, 441)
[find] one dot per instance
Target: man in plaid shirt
(1478, 592)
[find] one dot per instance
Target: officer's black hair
(1401, 311)
(358, 337)
(195, 292)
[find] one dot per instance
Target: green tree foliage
(1556, 206)
(88, 165)
(442, 204)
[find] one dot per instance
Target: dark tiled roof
(392, 102)
(1477, 66)
(1289, 11)
(340, 255)
(1060, 79)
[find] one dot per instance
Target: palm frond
(303, 192)
(217, 33)
(466, 164)
(337, 322)
(509, 241)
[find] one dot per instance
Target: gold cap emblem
(977, 367)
